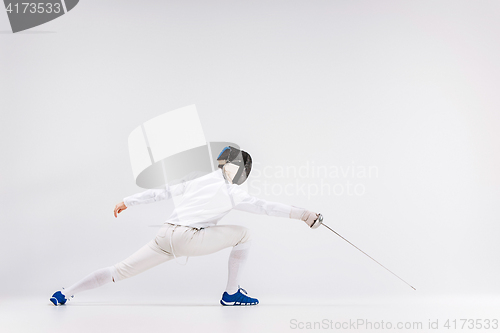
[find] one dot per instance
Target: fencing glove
(310, 218)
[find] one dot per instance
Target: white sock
(237, 259)
(91, 281)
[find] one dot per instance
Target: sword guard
(317, 222)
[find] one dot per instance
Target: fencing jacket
(202, 202)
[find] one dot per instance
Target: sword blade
(368, 255)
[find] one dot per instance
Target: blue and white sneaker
(58, 298)
(238, 299)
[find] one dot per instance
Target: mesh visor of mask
(237, 157)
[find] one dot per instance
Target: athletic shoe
(238, 299)
(58, 298)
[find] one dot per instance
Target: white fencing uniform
(192, 228)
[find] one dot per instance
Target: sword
(319, 221)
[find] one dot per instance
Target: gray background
(410, 87)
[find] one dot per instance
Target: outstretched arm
(245, 202)
(148, 196)
(145, 197)
(255, 205)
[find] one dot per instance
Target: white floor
(39, 316)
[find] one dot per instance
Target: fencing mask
(235, 164)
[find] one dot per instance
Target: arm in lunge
(145, 197)
(245, 202)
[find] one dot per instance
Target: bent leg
(237, 260)
(191, 242)
(216, 238)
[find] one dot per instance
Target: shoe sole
(234, 303)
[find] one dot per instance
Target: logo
(171, 148)
(26, 14)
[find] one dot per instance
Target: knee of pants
(124, 271)
(143, 259)
(115, 275)
(121, 272)
(246, 236)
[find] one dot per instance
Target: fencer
(192, 228)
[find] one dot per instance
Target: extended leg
(145, 258)
(93, 280)
(142, 260)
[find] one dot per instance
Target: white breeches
(176, 241)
